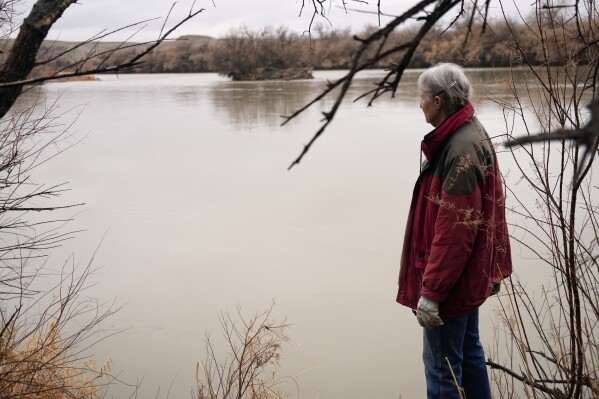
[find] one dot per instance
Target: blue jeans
(458, 341)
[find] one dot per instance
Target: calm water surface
(190, 204)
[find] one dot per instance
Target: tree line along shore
(278, 53)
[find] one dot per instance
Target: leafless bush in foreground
(549, 338)
(249, 370)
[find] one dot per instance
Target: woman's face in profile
(430, 108)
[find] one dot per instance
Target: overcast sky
(89, 17)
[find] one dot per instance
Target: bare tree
(429, 12)
(46, 320)
(554, 333)
(551, 337)
(23, 54)
(268, 53)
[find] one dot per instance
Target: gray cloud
(89, 17)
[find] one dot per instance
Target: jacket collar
(433, 141)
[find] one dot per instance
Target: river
(192, 211)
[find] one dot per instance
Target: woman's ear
(438, 101)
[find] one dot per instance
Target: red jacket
(456, 243)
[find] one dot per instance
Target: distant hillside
(188, 53)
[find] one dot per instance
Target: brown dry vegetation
(242, 51)
(43, 366)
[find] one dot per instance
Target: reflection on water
(255, 103)
(186, 175)
(266, 103)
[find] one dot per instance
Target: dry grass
(43, 367)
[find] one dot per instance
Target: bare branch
(358, 64)
(555, 393)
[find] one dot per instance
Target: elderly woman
(456, 247)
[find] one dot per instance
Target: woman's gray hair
(448, 80)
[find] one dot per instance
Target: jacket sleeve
(458, 219)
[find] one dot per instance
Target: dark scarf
(435, 139)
